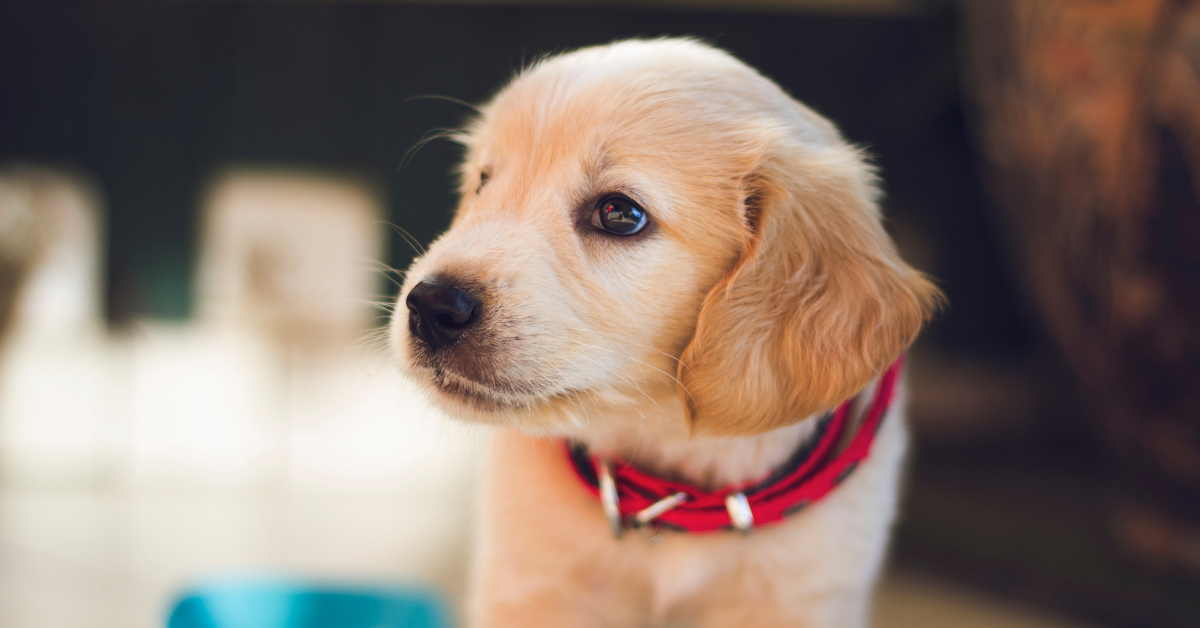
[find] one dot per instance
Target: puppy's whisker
(375, 264)
(389, 304)
(621, 346)
(380, 267)
(408, 237)
(445, 98)
(370, 338)
(554, 366)
(635, 360)
(621, 343)
(578, 402)
(587, 419)
(434, 134)
(387, 272)
(623, 377)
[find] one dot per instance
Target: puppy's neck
(656, 439)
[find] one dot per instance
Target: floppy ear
(819, 303)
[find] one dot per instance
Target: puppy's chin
(462, 396)
(466, 400)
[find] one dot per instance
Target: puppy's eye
(483, 179)
(619, 215)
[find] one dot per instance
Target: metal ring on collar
(609, 499)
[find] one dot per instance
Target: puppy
(665, 270)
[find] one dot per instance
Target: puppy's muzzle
(439, 311)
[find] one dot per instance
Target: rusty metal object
(1088, 114)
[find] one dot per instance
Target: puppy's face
(605, 194)
(594, 219)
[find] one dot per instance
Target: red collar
(634, 498)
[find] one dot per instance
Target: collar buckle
(611, 504)
(739, 512)
(609, 500)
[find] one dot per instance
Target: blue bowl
(289, 604)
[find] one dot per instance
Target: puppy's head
(650, 217)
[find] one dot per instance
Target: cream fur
(763, 291)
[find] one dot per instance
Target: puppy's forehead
(665, 87)
(558, 130)
(551, 113)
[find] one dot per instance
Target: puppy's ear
(818, 304)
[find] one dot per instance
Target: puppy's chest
(839, 540)
(679, 572)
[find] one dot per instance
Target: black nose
(440, 311)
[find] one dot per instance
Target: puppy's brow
(594, 168)
(597, 165)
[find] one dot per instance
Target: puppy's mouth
(470, 392)
(477, 393)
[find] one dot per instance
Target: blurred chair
(51, 229)
(57, 413)
(280, 383)
(294, 254)
(288, 269)
(21, 241)
(1089, 119)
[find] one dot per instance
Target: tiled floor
(104, 560)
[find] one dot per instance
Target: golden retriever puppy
(664, 260)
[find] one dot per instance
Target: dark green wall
(154, 98)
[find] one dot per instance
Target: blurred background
(201, 202)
